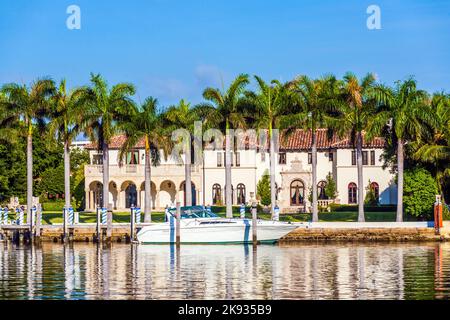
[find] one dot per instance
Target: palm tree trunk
(229, 209)
(187, 171)
(400, 162)
(105, 149)
(30, 176)
(147, 185)
(315, 213)
(66, 182)
(360, 178)
(272, 175)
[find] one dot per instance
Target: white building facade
(293, 174)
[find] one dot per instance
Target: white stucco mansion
(293, 175)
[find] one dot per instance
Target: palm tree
(354, 111)
(104, 109)
(435, 147)
(30, 105)
(229, 112)
(183, 116)
(65, 114)
(311, 114)
(146, 122)
(270, 106)
(404, 107)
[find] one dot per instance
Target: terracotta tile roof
(299, 140)
(302, 139)
(117, 142)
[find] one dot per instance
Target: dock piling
(38, 220)
(97, 233)
(132, 224)
(254, 224)
(177, 231)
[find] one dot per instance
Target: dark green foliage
(12, 171)
(263, 190)
(419, 192)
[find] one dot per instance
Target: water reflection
(310, 271)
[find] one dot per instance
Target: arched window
(297, 193)
(241, 193)
(352, 193)
(321, 190)
(217, 194)
(376, 189)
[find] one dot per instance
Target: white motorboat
(198, 225)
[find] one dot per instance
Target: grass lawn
(124, 217)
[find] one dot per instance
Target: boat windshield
(193, 212)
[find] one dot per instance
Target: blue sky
(174, 49)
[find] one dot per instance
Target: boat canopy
(192, 212)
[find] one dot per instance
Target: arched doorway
(152, 193)
(131, 196)
(297, 193)
(193, 192)
(167, 194)
(96, 189)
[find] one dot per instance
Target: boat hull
(225, 232)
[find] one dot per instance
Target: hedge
(354, 208)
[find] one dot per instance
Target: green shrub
(263, 189)
(331, 188)
(354, 208)
(371, 198)
(419, 193)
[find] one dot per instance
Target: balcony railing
(139, 170)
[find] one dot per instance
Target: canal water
(305, 271)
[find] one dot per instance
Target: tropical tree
(435, 147)
(271, 105)
(354, 110)
(183, 116)
(65, 116)
(310, 112)
(146, 122)
(105, 108)
(30, 106)
(404, 109)
(228, 112)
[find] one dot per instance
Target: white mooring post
(276, 213)
(177, 231)
(242, 211)
(5, 216)
(254, 224)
